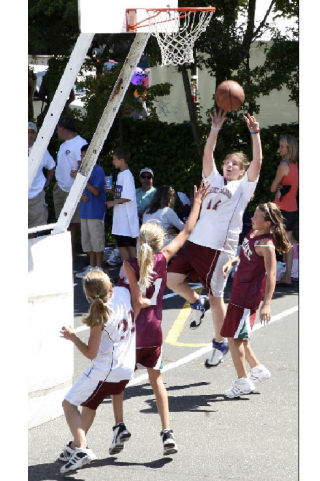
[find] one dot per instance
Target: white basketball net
(177, 47)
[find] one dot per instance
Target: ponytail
(151, 237)
(97, 287)
(272, 213)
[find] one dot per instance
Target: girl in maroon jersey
(147, 276)
(254, 279)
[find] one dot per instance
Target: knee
(65, 404)
(173, 280)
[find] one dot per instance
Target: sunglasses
(146, 176)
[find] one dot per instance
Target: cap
(67, 123)
(32, 126)
(146, 169)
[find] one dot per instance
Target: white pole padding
(102, 130)
(58, 102)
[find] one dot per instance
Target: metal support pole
(58, 102)
(102, 131)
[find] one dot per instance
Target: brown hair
(122, 153)
(244, 161)
(151, 237)
(272, 213)
(164, 196)
(97, 288)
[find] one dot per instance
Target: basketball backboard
(102, 16)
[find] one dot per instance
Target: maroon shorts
(103, 390)
(238, 322)
(149, 357)
(196, 262)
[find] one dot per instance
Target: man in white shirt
(37, 207)
(68, 162)
(125, 223)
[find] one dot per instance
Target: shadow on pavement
(50, 471)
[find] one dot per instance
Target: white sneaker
(219, 350)
(67, 452)
(242, 385)
(79, 458)
(120, 436)
(258, 374)
(82, 274)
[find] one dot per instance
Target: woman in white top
(161, 211)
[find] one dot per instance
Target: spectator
(37, 207)
(161, 210)
(68, 163)
(285, 185)
(125, 222)
(145, 193)
(92, 212)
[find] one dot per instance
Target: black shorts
(125, 241)
(290, 218)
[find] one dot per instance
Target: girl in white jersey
(215, 237)
(111, 347)
(147, 276)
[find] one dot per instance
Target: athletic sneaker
(114, 259)
(242, 385)
(120, 436)
(219, 349)
(199, 309)
(83, 273)
(67, 452)
(258, 374)
(169, 444)
(79, 458)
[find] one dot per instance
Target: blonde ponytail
(151, 237)
(97, 287)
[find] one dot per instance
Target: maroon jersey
(250, 278)
(148, 322)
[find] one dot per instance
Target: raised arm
(255, 165)
(208, 161)
(172, 248)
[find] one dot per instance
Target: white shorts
(92, 235)
(91, 392)
(218, 282)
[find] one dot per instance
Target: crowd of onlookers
(133, 206)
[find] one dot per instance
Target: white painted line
(204, 350)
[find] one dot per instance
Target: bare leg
(117, 403)
(218, 310)
(99, 259)
(92, 258)
(73, 418)
(176, 282)
(160, 392)
(124, 253)
(132, 251)
(250, 355)
(236, 347)
(87, 416)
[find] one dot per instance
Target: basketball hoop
(176, 29)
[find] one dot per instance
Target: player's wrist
(255, 131)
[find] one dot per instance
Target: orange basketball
(229, 95)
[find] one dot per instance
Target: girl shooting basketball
(214, 239)
(256, 273)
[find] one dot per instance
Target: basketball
(229, 95)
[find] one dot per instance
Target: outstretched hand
(251, 122)
(218, 118)
(200, 194)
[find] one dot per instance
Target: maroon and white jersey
(148, 322)
(250, 277)
(220, 221)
